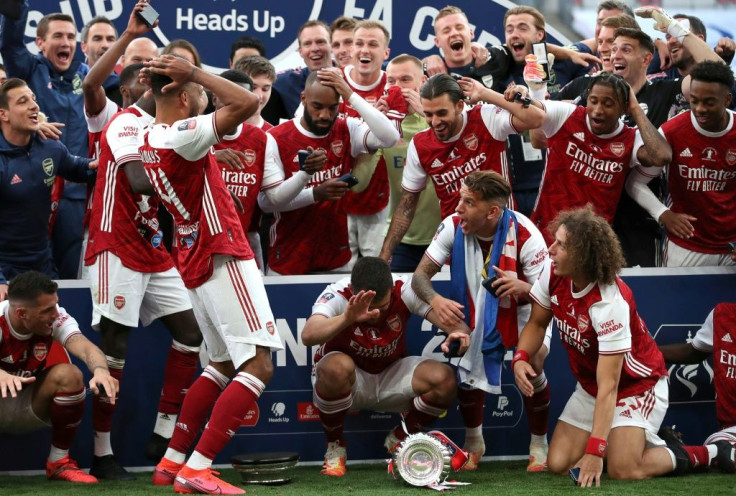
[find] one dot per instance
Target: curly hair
(592, 243)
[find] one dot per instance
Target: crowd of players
(183, 179)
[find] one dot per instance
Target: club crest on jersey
(325, 298)
(187, 124)
(617, 148)
(48, 166)
(39, 351)
(270, 328)
(394, 323)
(731, 157)
(337, 146)
(487, 81)
(471, 142)
(250, 157)
(583, 322)
(119, 302)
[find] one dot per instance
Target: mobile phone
(148, 15)
(454, 348)
(303, 154)
(488, 284)
(540, 50)
(349, 178)
(574, 475)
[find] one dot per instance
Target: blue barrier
(672, 302)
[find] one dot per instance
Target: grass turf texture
(492, 478)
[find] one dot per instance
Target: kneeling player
(362, 362)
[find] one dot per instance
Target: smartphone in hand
(349, 178)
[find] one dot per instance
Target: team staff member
(33, 395)
(28, 166)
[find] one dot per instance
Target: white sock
(672, 457)
(198, 461)
(712, 452)
(56, 454)
(474, 431)
(165, 424)
(175, 456)
(102, 444)
(541, 439)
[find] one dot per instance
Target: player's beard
(319, 131)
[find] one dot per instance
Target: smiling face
(38, 317)
(709, 103)
(314, 47)
(604, 109)
(59, 44)
(262, 86)
(20, 119)
(100, 38)
(443, 116)
(342, 47)
(605, 43)
(629, 60)
(370, 49)
(521, 33)
(453, 35)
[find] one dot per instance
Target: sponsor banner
(285, 419)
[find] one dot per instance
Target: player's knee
(624, 468)
(442, 379)
(65, 377)
(336, 368)
(184, 328)
(558, 463)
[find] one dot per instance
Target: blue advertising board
(212, 25)
(673, 303)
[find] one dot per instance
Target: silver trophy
(422, 460)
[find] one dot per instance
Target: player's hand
(509, 284)
(382, 105)
(330, 190)
(50, 130)
(472, 89)
(665, 61)
(238, 204)
(3, 292)
(315, 161)
(462, 337)
(663, 22)
(725, 47)
(94, 164)
(358, 304)
(582, 58)
(177, 68)
(516, 92)
(234, 159)
(679, 225)
(136, 26)
(10, 385)
(480, 54)
(448, 311)
(522, 372)
(102, 380)
(591, 468)
(435, 65)
(413, 100)
(332, 77)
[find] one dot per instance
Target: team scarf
(495, 325)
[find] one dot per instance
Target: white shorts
(646, 410)
(728, 434)
(677, 256)
(233, 313)
(387, 391)
(365, 234)
(124, 295)
(16, 414)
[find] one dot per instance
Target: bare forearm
(400, 222)
(319, 329)
(421, 281)
(682, 353)
(658, 152)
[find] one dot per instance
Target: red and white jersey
(531, 249)
(601, 320)
(718, 336)
(181, 166)
(260, 173)
(480, 145)
(123, 222)
(373, 347)
(25, 354)
(702, 181)
(582, 167)
(264, 125)
(314, 238)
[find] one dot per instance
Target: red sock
(537, 410)
(181, 365)
(65, 414)
(471, 402)
(228, 413)
(102, 409)
(332, 414)
(197, 404)
(421, 415)
(698, 455)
